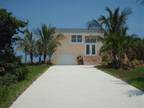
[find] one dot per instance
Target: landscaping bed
(8, 94)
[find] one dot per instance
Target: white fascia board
(84, 34)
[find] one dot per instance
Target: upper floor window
(76, 38)
(90, 39)
(79, 38)
(73, 38)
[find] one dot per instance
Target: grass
(10, 93)
(134, 77)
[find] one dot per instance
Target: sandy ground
(79, 87)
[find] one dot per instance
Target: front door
(90, 49)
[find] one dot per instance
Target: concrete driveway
(79, 87)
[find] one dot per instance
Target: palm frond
(94, 24)
(109, 11)
(140, 2)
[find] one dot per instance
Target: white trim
(90, 44)
(85, 34)
(76, 39)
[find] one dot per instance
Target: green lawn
(10, 93)
(134, 77)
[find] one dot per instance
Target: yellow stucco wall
(68, 48)
(68, 52)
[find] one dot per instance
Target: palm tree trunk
(25, 57)
(114, 60)
(44, 58)
(50, 60)
(31, 57)
(39, 58)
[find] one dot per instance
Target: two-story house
(78, 42)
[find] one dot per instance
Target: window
(90, 49)
(79, 38)
(76, 38)
(93, 49)
(90, 40)
(87, 49)
(73, 38)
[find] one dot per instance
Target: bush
(13, 76)
(12, 73)
(106, 60)
(21, 73)
(135, 62)
(11, 68)
(7, 79)
(80, 60)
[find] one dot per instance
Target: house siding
(67, 52)
(68, 48)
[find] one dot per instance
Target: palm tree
(31, 44)
(27, 44)
(115, 21)
(49, 39)
(134, 49)
(39, 49)
(22, 45)
(54, 43)
(46, 34)
(114, 27)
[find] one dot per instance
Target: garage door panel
(66, 59)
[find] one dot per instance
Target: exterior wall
(68, 52)
(90, 60)
(94, 59)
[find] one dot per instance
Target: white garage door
(66, 59)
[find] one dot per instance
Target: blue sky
(72, 13)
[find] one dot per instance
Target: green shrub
(80, 60)
(11, 68)
(13, 76)
(135, 62)
(21, 73)
(7, 79)
(12, 73)
(106, 61)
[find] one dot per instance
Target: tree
(27, 44)
(54, 43)
(30, 43)
(46, 34)
(135, 51)
(115, 22)
(39, 49)
(22, 45)
(12, 68)
(49, 40)
(9, 25)
(114, 27)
